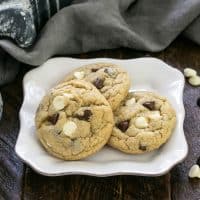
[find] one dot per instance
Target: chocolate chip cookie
(112, 81)
(74, 120)
(143, 122)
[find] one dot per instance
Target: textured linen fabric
(1, 106)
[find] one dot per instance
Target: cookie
(74, 120)
(143, 122)
(112, 81)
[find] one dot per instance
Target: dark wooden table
(18, 181)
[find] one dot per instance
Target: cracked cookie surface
(110, 79)
(143, 122)
(74, 120)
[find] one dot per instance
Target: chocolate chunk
(142, 147)
(198, 101)
(86, 115)
(123, 126)
(198, 161)
(150, 105)
(106, 70)
(53, 118)
(94, 70)
(98, 83)
(58, 132)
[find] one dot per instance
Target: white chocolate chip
(130, 102)
(194, 80)
(79, 75)
(68, 95)
(141, 122)
(110, 71)
(188, 72)
(69, 128)
(155, 115)
(194, 171)
(77, 147)
(59, 102)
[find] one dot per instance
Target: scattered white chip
(188, 72)
(79, 75)
(141, 122)
(22, 13)
(194, 80)
(59, 102)
(130, 102)
(155, 115)
(194, 171)
(69, 128)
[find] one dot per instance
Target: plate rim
(105, 173)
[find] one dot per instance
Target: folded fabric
(21, 19)
(90, 25)
(9, 67)
(1, 106)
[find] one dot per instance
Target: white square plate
(147, 74)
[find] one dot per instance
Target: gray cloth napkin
(89, 25)
(1, 106)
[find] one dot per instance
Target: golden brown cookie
(143, 122)
(110, 79)
(74, 120)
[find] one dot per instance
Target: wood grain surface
(18, 181)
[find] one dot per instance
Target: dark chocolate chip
(198, 101)
(106, 70)
(142, 147)
(58, 132)
(150, 105)
(86, 115)
(123, 126)
(198, 161)
(94, 70)
(98, 83)
(53, 118)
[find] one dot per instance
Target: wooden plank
(40, 187)
(151, 188)
(11, 167)
(70, 187)
(86, 187)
